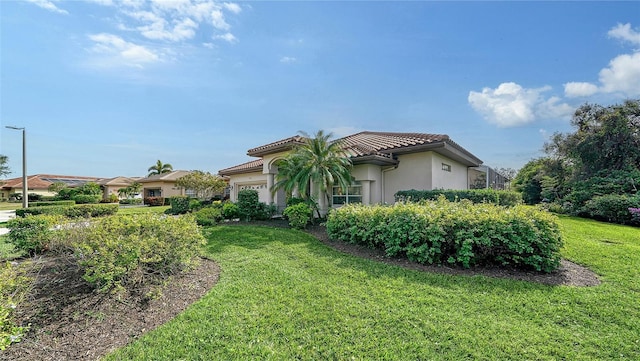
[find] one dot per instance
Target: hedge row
(51, 203)
(615, 208)
(76, 211)
(460, 233)
(503, 198)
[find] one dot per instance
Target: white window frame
(353, 194)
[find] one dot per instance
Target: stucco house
(163, 185)
(112, 185)
(383, 163)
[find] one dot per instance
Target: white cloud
(625, 32)
(113, 51)
(579, 89)
(228, 37)
(511, 105)
(622, 75)
(288, 59)
(234, 8)
(175, 20)
(49, 5)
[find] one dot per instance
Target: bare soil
(70, 321)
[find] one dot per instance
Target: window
(190, 193)
(446, 167)
(353, 194)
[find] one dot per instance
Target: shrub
(208, 216)
(437, 232)
(251, 208)
(154, 201)
(32, 234)
(52, 203)
(298, 215)
(34, 197)
(86, 198)
(140, 250)
(179, 205)
(230, 210)
(612, 208)
(131, 201)
(76, 211)
(195, 204)
(499, 197)
(14, 285)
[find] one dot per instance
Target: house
(163, 185)
(39, 184)
(113, 185)
(383, 164)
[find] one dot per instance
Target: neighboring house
(383, 164)
(112, 185)
(163, 185)
(39, 184)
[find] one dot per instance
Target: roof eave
(446, 147)
(373, 159)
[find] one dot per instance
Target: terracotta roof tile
(254, 165)
(280, 145)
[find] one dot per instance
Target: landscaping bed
(71, 321)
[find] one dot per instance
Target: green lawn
(283, 295)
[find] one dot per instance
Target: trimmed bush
(131, 201)
(179, 205)
(298, 215)
(154, 201)
(208, 216)
(460, 233)
(86, 198)
(32, 234)
(76, 211)
(502, 198)
(230, 210)
(251, 208)
(140, 250)
(52, 203)
(612, 208)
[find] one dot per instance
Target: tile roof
(278, 146)
(165, 177)
(43, 181)
(254, 165)
(370, 147)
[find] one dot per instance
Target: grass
(6, 206)
(284, 295)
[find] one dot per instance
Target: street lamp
(25, 186)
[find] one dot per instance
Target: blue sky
(106, 88)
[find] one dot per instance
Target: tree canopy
(594, 168)
(204, 184)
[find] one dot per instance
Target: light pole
(25, 186)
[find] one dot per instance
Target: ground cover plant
(282, 294)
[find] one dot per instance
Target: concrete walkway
(5, 216)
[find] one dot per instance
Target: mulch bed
(70, 321)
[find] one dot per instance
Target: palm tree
(314, 168)
(159, 168)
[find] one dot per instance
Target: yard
(282, 294)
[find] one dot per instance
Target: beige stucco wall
(255, 180)
(169, 189)
(456, 179)
(413, 172)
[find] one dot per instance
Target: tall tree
(160, 168)
(314, 167)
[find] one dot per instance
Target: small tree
(204, 184)
(4, 168)
(56, 187)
